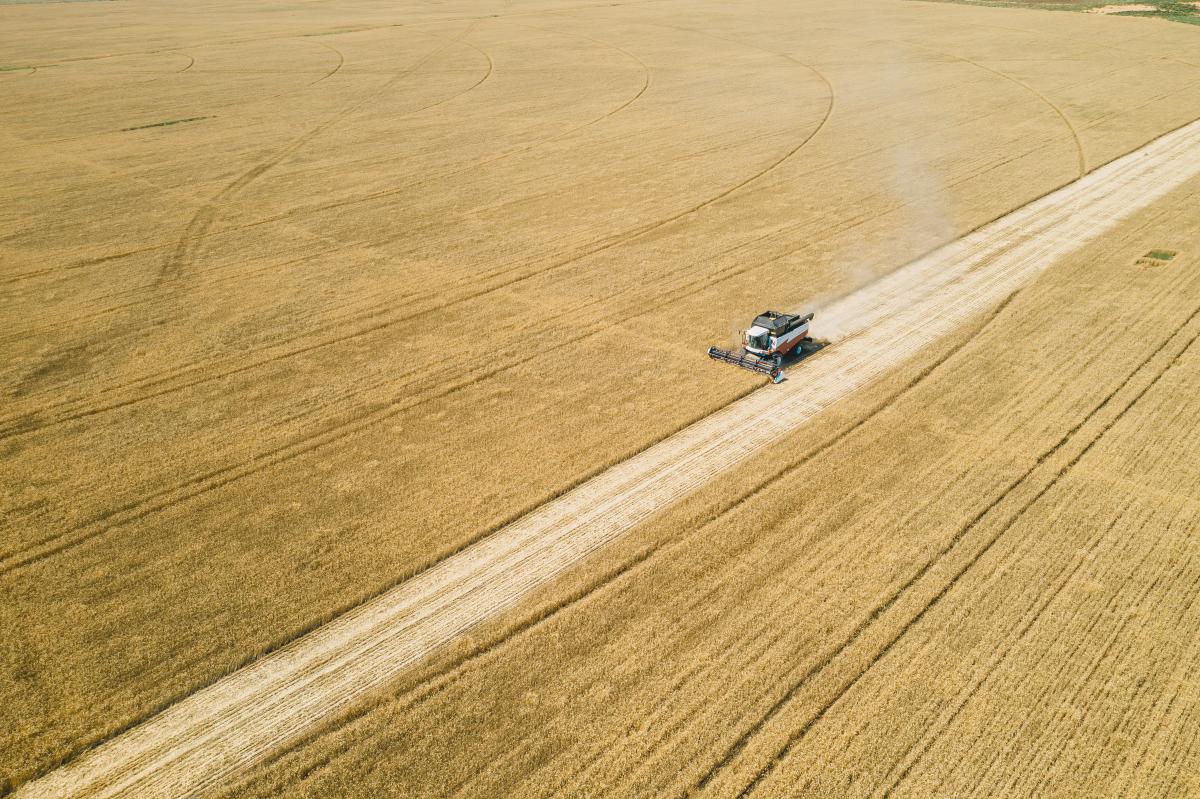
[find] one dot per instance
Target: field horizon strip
(195, 745)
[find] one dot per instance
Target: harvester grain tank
(773, 337)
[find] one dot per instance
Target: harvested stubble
(420, 270)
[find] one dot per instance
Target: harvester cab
(773, 337)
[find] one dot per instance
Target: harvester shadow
(806, 350)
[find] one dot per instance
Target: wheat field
(300, 300)
(993, 609)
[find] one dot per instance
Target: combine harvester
(771, 338)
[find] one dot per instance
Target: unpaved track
(199, 742)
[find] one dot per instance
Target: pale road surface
(201, 741)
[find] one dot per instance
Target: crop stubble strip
(227, 726)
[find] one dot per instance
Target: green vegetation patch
(1163, 9)
(1157, 257)
(163, 124)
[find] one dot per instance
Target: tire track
(1047, 758)
(646, 80)
(938, 557)
(1083, 169)
(212, 108)
(626, 236)
(156, 77)
(218, 732)
(600, 245)
(915, 753)
(241, 105)
(187, 248)
(1081, 155)
(341, 60)
(856, 634)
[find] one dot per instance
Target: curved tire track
(647, 72)
(188, 246)
(637, 232)
(1081, 155)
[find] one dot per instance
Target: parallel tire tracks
(880, 611)
(203, 740)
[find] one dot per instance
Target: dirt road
(196, 744)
